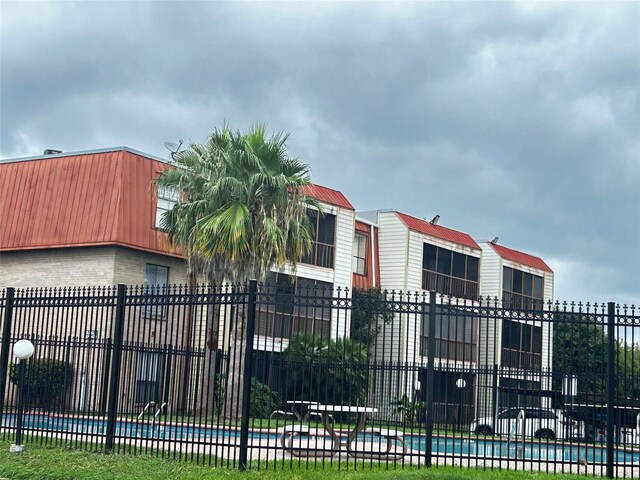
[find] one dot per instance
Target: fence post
(116, 359)
(431, 347)
(246, 374)
(6, 340)
(611, 383)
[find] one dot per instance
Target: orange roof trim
(437, 231)
(327, 195)
(521, 257)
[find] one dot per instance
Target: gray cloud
(514, 119)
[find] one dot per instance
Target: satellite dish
(173, 147)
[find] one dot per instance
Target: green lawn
(59, 463)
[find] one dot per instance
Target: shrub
(326, 371)
(263, 400)
(46, 381)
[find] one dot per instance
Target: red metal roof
(438, 231)
(327, 195)
(80, 200)
(520, 257)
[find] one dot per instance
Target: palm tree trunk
(234, 394)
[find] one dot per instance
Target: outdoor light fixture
(22, 350)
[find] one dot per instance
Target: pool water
(472, 447)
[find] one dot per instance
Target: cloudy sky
(517, 120)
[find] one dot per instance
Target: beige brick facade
(83, 266)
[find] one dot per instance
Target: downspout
(373, 255)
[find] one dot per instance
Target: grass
(61, 463)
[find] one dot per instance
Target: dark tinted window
(527, 287)
(326, 228)
(459, 265)
(537, 286)
(507, 278)
(517, 281)
(444, 261)
(546, 414)
(472, 269)
(511, 413)
(429, 257)
(536, 347)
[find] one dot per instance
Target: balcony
(285, 325)
(448, 285)
(449, 350)
(521, 360)
(321, 255)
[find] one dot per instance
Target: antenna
(173, 147)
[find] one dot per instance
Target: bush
(326, 371)
(46, 381)
(263, 400)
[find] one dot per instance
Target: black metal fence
(271, 376)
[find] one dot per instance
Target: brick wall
(83, 266)
(89, 266)
(129, 266)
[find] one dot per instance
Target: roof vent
(51, 151)
(495, 240)
(434, 220)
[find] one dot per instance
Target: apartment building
(85, 218)
(93, 218)
(417, 256)
(520, 344)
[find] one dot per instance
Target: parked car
(538, 423)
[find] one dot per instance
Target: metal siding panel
(112, 185)
(95, 204)
(80, 200)
(10, 181)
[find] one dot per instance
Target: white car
(538, 423)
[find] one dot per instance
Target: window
(167, 199)
(521, 345)
(322, 239)
(455, 335)
(521, 290)
(148, 378)
(294, 305)
(360, 254)
(155, 278)
(449, 273)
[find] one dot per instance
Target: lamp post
(460, 383)
(22, 350)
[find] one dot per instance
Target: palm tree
(242, 210)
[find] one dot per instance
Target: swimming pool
(472, 447)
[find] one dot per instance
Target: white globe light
(23, 349)
(460, 383)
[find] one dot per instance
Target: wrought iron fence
(243, 375)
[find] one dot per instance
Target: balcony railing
(448, 285)
(321, 255)
(520, 359)
(521, 302)
(285, 325)
(449, 350)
